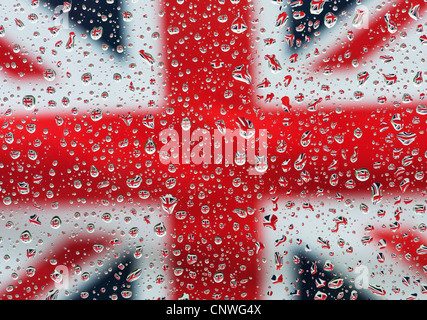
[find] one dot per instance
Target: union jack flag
(103, 106)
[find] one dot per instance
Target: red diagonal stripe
(16, 64)
(402, 246)
(69, 253)
(366, 42)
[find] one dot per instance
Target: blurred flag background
(93, 208)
